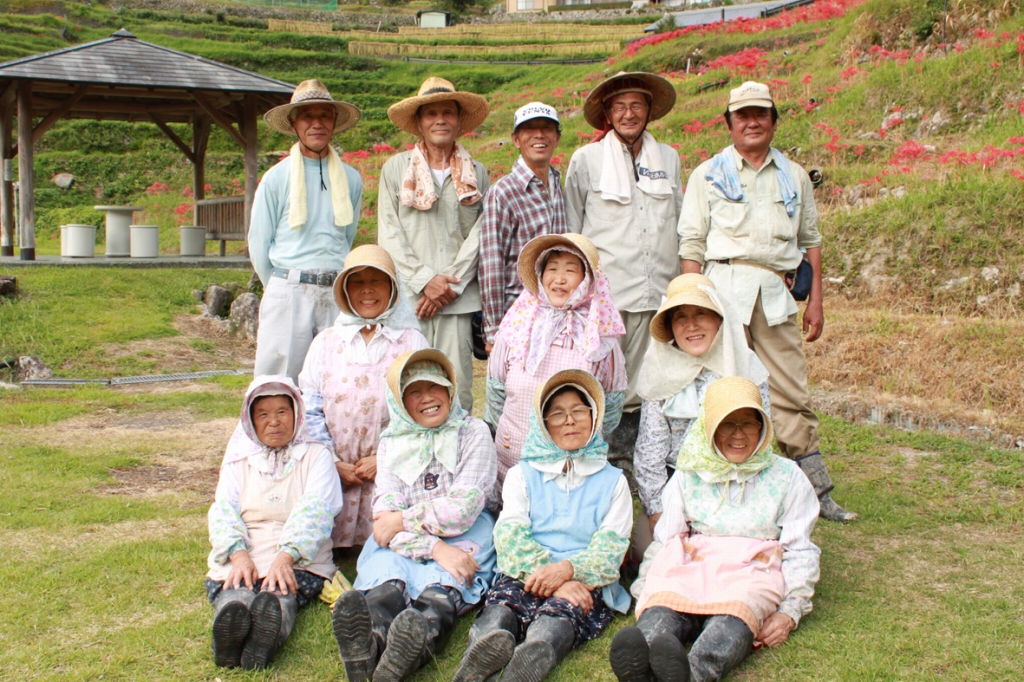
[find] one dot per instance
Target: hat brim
(576, 377)
(661, 324)
(474, 110)
(538, 245)
(663, 97)
(346, 115)
(394, 376)
(515, 127)
(341, 280)
(366, 256)
(760, 103)
(731, 394)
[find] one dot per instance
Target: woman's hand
(546, 579)
(653, 518)
(366, 468)
(775, 629)
(386, 525)
(348, 473)
(458, 562)
(280, 578)
(577, 594)
(243, 571)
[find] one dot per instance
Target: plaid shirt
(517, 208)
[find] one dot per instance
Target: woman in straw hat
(431, 540)
(695, 339)
(564, 319)
(428, 215)
(732, 564)
(560, 540)
(304, 219)
(342, 380)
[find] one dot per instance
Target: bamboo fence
(310, 27)
(373, 49)
(524, 29)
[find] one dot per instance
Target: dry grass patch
(34, 544)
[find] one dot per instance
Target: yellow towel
(340, 200)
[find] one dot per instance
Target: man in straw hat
(623, 191)
(524, 204)
(747, 215)
(304, 219)
(428, 212)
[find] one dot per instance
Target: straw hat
(538, 245)
(683, 290)
(661, 92)
(725, 396)
(312, 92)
(434, 89)
(359, 258)
(579, 378)
(394, 376)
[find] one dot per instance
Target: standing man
(429, 211)
(747, 215)
(304, 219)
(624, 193)
(524, 204)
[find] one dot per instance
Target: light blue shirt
(317, 245)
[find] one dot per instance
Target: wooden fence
(525, 29)
(224, 219)
(287, 26)
(371, 49)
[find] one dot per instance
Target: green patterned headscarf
(539, 446)
(699, 454)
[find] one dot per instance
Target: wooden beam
(173, 137)
(55, 115)
(26, 179)
(251, 158)
(200, 137)
(89, 105)
(7, 95)
(218, 118)
(6, 186)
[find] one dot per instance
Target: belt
(737, 261)
(322, 279)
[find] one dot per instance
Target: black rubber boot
(814, 468)
(630, 656)
(548, 641)
(492, 639)
(724, 643)
(231, 622)
(416, 635)
(622, 440)
(361, 624)
(264, 632)
(669, 662)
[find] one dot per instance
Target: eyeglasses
(748, 428)
(559, 418)
(620, 108)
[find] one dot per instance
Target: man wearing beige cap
(749, 220)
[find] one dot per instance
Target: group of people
(631, 331)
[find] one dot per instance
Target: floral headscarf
(271, 462)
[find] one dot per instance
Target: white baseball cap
(534, 110)
(750, 94)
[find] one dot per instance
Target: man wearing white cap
(304, 219)
(748, 214)
(524, 204)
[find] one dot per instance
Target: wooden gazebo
(125, 79)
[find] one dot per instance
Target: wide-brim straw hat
(683, 290)
(312, 92)
(434, 89)
(394, 376)
(576, 243)
(571, 377)
(365, 256)
(728, 394)
(663, 95)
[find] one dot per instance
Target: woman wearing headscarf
(695, 339)
(564, 319)
(431, 540)
(732, 565)
(560, 540)
(270, 526)
(342, 379)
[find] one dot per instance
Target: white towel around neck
(616, 183)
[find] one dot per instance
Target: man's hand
(691, 267)
(577, 594)
(458, 562)
(426, 309)
(243, 571)
(488, 347)
(814, 320)
(439, 291)
(546, 579)
(386, 525)
(280, 578)
(366, 468)
(775, 629)
(348, 473)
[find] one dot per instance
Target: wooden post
(251, 154)
(200, 136)
(26, 181)
(6, 180)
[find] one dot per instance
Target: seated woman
(564, 319)
(732, 563)
(342, 379)
(270, 526)
(695, 339)
(431, 539)
(560, 540)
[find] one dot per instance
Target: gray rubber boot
(548, 641)
(360, 623)
(264, 632)
(492, 639)
(814, 468)
(669, 662)
(622, 440)
(416, 635)
(724, 643)
(630, 655)
(231, 622)
(289, 610)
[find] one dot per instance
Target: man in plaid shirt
(524, 204)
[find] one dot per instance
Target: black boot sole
(531, 662)
(407, 640)
(230, 628)
(630, 656)
(263, 633)
(353, 631)
(669, 661)
(488, 655)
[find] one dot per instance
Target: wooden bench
(224, 219)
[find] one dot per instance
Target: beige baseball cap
(750, 94)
